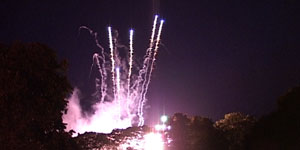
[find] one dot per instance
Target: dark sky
(218, 56)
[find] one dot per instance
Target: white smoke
(104, 119)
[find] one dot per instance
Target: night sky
(216, 56)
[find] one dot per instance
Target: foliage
(32, 98)
(235, 127)
(290, 102)
(100, 141)
(194, 133)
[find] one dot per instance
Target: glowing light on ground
(122, 93)
(154, 141)
(150, 141)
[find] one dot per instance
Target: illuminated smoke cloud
(103, 120)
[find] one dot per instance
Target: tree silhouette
(235, 127)
(180, 131)
(281, 128)
(33, 93)
(193, 133)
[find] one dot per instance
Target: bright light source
(161, 127)
(150, 141)
(158, 127)
(164, 118)
(153, 141)
(169, 127)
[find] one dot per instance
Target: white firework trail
(153, 33)
(130, 68)
(157, 44)
(121, 106)
(101, 68)
(152, 64)
(143, 72)
(118, 84)
(112, 60)
(151, 70)
(97, 58)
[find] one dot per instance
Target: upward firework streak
(144, 71)
(112, 60)
(130, 68)
(121, 102)
(147, 81)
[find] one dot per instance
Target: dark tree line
(279, 130)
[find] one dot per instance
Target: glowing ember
(121, 88)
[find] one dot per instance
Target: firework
(130, 68)
(112, 60)
(121, 99)
(147, 81)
